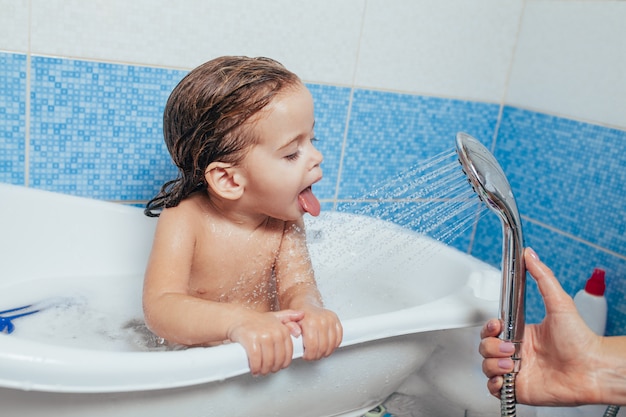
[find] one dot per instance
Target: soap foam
(101, 313)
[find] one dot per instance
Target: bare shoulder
(174, 243)
(190, 209)
(294, 240)
(182, 220)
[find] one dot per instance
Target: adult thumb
(554, 297)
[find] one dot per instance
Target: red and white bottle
(591, 303)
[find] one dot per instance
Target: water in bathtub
(101, 313)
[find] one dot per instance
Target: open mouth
(309, 202)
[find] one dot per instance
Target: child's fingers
(255, 359)
(311, 345)
(294, 328)
(283, 352)
(338, 333)
(275, 355)
(286, 316)
(335, 336)
(321, 341)
(269, 351)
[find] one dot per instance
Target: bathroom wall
(562, 142)
(83, 85)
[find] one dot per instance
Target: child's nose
(316, 157)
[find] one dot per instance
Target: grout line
(349, 112)
(343, 150)
(28, 102)
(27, 122)
(107, 60)
(496, 131)
(575, 238)
(577, 119)
(127, 202)
(507, 79)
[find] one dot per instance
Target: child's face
(281, 168)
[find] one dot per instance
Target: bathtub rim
(112, 371)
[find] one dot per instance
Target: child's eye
(296, 154)
(293, 156)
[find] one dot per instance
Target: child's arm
(173, 314)
(321, 329)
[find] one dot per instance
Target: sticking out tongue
(309, 202)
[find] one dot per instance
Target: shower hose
(507, 396)
(611, 411)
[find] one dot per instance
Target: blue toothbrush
(6, 322)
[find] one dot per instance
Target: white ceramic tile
(318, 40)
(571, 61)
(14, 25)
(453, 48)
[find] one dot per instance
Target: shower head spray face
(487, 177)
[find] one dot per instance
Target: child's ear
(224, 180)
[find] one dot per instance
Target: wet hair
(207, 115)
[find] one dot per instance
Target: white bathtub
(393, 289)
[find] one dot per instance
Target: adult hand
(558, 355)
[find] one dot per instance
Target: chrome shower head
(488, 180)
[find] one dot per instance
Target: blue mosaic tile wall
(564, 171)
(95, 131)
(571, 260)
(12, 118)
(96, 128)
(569, 181)
(390, 132)
(331, 112)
